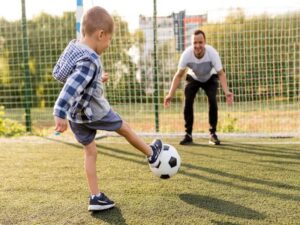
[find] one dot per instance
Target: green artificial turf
(255, 181)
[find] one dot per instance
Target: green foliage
(228, 125)
(179, 95)
(10, 128)
(4, 68)
(48, 36)
(259, 54)
(167, 63)
(123, 86)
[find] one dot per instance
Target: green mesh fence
(260, 53)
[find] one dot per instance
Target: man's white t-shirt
(200, 69)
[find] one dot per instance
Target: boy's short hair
(96, 18)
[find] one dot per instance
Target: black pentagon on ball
(164, 176)
(173, 162)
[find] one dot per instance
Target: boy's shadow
(111, 216)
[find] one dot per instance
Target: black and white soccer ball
(169, 162)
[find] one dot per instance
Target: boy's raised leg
(152, 151)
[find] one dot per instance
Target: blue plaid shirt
(79, 69)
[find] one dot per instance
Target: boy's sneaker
(186, 140)
(156, 146)
(100, 203)
(214, 140)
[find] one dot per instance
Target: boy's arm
(74, 86)
(61, 125)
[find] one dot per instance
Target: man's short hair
(96, 18)
(197, 32)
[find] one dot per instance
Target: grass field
(254, 181)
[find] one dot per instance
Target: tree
(258, 54)
(123, 85)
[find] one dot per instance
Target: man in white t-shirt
(204, 69)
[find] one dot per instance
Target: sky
(131, 9)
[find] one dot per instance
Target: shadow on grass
(256, 163)
(111, 216)
(112, 151)
(123, 155)
(279, 162)
(194, 144)
(220, 206)
(223, 223)
(278, 148)
(242, 187)
(260, 150)
(242, 178)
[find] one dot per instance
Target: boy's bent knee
(85, 140)
(83, 134)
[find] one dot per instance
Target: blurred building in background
(178, 26)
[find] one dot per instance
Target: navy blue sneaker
(156, 146)
(100, 203)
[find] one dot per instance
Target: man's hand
(167, 100)
(229, 98)
(61, 125)
(175, 84)
(104, 77)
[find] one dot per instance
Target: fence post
(27, 86)
(155, 68)
(79, 11)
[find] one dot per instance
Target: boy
(82, 103)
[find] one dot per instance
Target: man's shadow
(220, 206)
(111, 216)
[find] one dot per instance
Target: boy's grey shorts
(85, 132)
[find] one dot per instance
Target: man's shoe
(213, 140)
(100, 203)
(186, 140)
(156, 146)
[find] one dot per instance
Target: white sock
(150, 156)
(98, 195)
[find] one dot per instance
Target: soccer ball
(169, 162)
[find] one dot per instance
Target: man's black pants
(191, 88)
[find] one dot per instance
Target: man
(204, 69)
